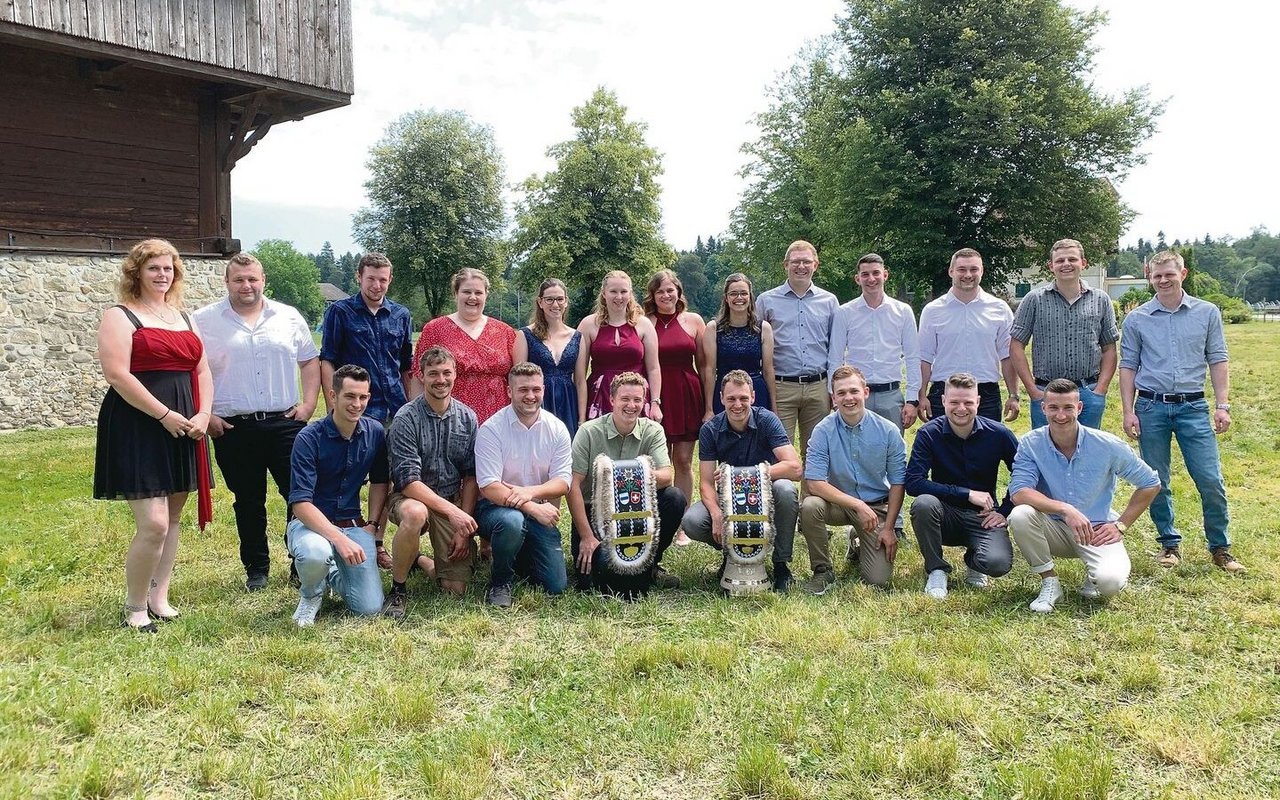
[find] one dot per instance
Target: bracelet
(166, 413)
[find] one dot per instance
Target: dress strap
(188, 319)
(137, 323)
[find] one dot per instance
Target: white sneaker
(978, 580)
(305, 616)
(1050, 594)
(1089, 590)
(936, 584)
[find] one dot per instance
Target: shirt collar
(723, 425)
(1155, 305)
(330, 428)
(612, 431)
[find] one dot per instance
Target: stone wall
(50, 306)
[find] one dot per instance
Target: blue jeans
(318, 564)
(1090, 417)
(1190, 423)
(522, 543)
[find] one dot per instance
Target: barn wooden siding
(301, 41)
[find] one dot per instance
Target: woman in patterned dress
(481, 346)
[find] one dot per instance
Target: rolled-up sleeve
(562, 459)
(402, 449)
(1133, 469)
(1026, 472)
(302, 468)
(896, 462)
(1215, 342)
(817, 459)
(1131, 342)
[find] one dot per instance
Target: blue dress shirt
(328, 470)
(718, 441)
(1087, 481)
(381, 343)
(948, 467)
(862, 460)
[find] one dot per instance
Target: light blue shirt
(861, 460)
(1170, 350)
(801, 328)
(1087, 481)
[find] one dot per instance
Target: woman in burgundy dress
(151, 447)
(680, 359)
(481, 346)
(616, 339)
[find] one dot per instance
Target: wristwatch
(1223, 406)
(913, 403)
(1120, 526)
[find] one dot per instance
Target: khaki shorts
(440, 532)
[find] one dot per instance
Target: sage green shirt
(599, 435)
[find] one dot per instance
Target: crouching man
(1064, 478)
(331, 544)
(744, 436)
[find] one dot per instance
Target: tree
(292, 278)
(435, 194)
(326, 263)
(597, 210)
(937, 125)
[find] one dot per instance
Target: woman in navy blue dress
(737, 339)
(551, 344)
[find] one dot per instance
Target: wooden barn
(123, 119)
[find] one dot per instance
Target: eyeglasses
(802, 262)
(554, 300)
(738, 294)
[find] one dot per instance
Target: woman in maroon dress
(616, 339)
(679, 334)
(151, 447)
(481, 346)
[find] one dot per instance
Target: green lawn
(1171, 690)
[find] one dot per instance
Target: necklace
(167, 320)
(666, 323)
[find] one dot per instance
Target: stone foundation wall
(50, 307)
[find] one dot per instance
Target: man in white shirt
(967, 330)
(256, 348)
(877, 334)
(523, 468)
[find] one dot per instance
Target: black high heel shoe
(150, 627)
(158, 617)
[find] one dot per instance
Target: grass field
(1171, 690)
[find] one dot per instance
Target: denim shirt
(1086, 481)
(328, 470)
(863, 460)
(381, 343)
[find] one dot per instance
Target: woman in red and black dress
(151, 447)
(679, 334)
(481, 346)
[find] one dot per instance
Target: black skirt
(136, 456)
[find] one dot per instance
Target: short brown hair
(626, 379)
(1061, 386)
(373, 261)
(871, 258)
(655, 283)
(1066, 244)
(965, 252)
(845, 371)
(524, 369)
(738, 376)
(434, 355)
(961, 380)
(1165, 256)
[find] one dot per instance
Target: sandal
(150, 627)
(158, 617)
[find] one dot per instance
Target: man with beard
(256, 349)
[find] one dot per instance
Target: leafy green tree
(435, 194)
(327, 264)
(292, 277)
(937, 125)
(595, 212)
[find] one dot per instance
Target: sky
(696, 72)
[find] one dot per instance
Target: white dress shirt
(507, 451)
(254, 368)
(879, 341)
(968, 337)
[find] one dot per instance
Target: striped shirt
(1069, 337)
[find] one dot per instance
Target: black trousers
(246, 453)
(987, 550)
(671, 507)
(990, 405)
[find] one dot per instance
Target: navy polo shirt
(718, 441)
(328, 470)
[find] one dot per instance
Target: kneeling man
(1063, 481)
(523, 468)
(433, 466)
(744, 436)
(952, 476)
(331, 544)
(853, 473)
(622, 434)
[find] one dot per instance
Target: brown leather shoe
(1223, 559)
(1169, 557)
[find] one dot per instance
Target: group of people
(479, 432)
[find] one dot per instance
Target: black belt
(261, 415)
(891, 386)
(813, 378)
(358, 522)
(1171, 397)
(1042, 382)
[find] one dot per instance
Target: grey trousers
(786, 508)
(988, 550)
